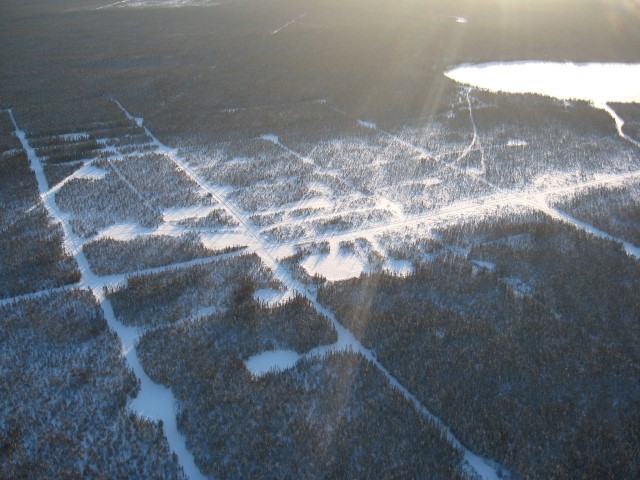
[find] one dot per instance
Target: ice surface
(598, 83)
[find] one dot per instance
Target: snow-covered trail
(39, 293)
(346, 339)
(618, 121)
(554, 212)
(276, 141)
(451, 212)
(112, 4)
(278, 30)
(152, 397)
(99, 282)
(133, 189)
(475, 142)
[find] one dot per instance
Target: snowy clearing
(272, 361)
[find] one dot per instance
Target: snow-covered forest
(274, 240)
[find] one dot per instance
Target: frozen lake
(598, 83)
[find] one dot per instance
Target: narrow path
(112, 4)
(278, 30)
(150, 392)
(373, 126)
(554, 212)
(99, 282)
(275, 140)
(619, 123)
(39, 293)
(133, 189)
(475, 142)
(346, 339)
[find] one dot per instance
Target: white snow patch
(75, 136)
(478, 466)
(517, 143)
(271, 138)
(91, 172)
(205, 311)
(271, 361)
(271, 297)
(455, 18)
(321, 188)
(218, 241)
(280, 252)
(316, 203)
(335, 266)
(160, 4)
(239, 160)
(124, 231)
(176, 214)
(366, 124)
(518, 287)
(484, 264)
(383, 203)
(401, 268)
(555, 180)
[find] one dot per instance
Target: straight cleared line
(112, 4)
(39, 293)
(287, 24)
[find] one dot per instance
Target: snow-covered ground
(273, 360)
(334, 266)
(271, 297)
(346, 222)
